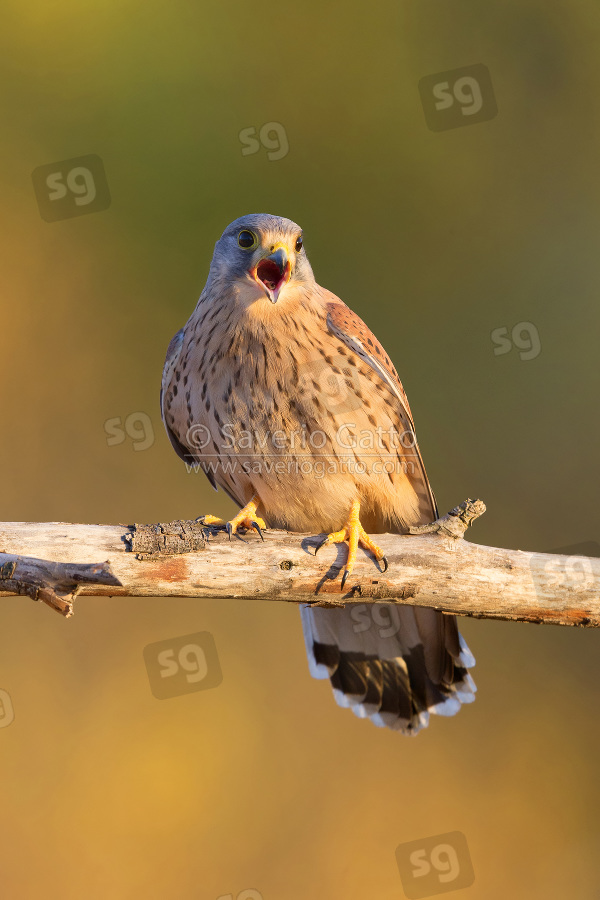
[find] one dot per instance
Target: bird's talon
(384, 562)
(245, 519)
(321, 544)
(344, 577)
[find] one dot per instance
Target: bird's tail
(390, 663)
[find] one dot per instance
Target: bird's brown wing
(350, 328)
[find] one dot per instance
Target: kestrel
(287, 401)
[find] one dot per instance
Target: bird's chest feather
(253, 389)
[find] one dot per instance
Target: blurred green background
(437, 239)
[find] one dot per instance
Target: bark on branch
(432, 567)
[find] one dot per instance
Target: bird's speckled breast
(270, 405)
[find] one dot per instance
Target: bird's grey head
(263, 256)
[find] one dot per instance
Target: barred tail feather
(392, 664)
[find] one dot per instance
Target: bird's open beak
(273, 272)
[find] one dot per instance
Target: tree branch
(437, 568)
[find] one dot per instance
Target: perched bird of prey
(287, 401)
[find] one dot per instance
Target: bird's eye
(299, 244)
(247, 240)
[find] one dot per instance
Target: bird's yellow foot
(246, 518)
(355, 534)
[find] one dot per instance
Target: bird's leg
(355, 534)
(246, 518)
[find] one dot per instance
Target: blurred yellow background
(437, 239)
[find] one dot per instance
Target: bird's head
(263, 256)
